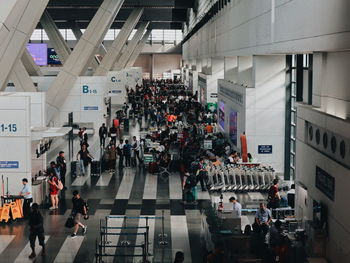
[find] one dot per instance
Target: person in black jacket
(62, 165)
(102, 132)
(36, 230)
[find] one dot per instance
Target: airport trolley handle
(136, 217)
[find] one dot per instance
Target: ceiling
(163, 14)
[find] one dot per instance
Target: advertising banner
(222, 114)
(38, 53)
(233, 127)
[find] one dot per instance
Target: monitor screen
(38, 53)
(53, 58)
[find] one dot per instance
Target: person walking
(127, 153)
(84, 158)
(27, 197)
(79, 210)
(102, 132)
(120, 153)
(62, 165)
(36, 224)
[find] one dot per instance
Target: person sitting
(263, 218)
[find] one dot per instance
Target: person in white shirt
(136, 148)
(237, 207)
(27, 196)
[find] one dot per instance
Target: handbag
(59, 185)
(70, 221)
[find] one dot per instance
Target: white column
(114, 52)
(20, 23)
(102, 50)
(56, 39)
(81, 55)
(21, 79)
(28, 62)
(138, 49)
(128, 49)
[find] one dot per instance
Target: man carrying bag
(79, 210)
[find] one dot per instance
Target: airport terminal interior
(197, 131)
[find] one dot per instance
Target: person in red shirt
(273, 195)
(53, 183)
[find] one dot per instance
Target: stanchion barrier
(99, 256)
(163, 236)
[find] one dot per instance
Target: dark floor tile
(177, 208)
(119, 207)
(148, 207)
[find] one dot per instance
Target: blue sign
(265, 149)
(115, 91)
(87, 90)
(90, 107)
(9, 164)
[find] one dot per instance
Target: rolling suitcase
(152, 167)
(73, 168)
(95, 168)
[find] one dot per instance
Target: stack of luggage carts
(239, 178)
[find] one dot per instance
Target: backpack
(191, 181)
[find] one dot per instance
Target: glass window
(109, 35)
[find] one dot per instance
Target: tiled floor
(127, 192)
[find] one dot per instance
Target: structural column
(20, 23)
(128, 49)
(55, 37)
(102, 50)
(114, 52)
(138, 49)
(21, 79)
(28, 62)
(81, 55)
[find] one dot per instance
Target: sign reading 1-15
(8, 127)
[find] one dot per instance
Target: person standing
(53, 182)
(85, 136)
(36, 224)
(112, 158)
(120, 153)
(102, 132)
(79, 210)
(113, 134)
(127, 153)
(62, 165)
(237, 207)
(273, 196)
(136, 148)
(27, 196)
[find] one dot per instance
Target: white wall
(255, 27)
(331, 83)
(307, 158)
(15, 145)
(261, 112)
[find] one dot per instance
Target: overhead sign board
(265, 149)
(9, 164)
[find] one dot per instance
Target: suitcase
(95, 168)
(152, 167)
(73, 168)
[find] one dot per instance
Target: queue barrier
(105, 231)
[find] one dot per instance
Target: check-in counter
(40, 190)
